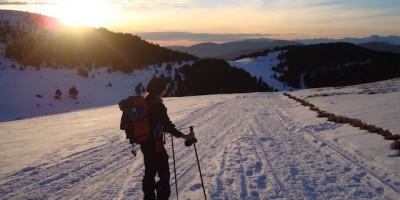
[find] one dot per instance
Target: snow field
(251, 146)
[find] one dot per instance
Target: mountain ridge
(392, 39)
(28, 39)
(232, 50)
(381, 46)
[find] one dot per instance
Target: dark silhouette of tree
(139, 88)
(73, 92)
(83, 72)
(168, 68)
(58, 94)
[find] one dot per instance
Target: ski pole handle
(189, 143)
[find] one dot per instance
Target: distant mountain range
(374, 38)
(232, 50)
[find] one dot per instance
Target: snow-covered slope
(29, 92)
(374, 103)
(251, 146)
(30, 21)
(262, 67)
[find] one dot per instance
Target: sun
(77, 13)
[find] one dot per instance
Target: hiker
(154, 153)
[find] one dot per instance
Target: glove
(189, 143)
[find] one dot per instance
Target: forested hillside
(332, 64)
(30, 40)
(216, 76)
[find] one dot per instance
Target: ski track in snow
(249, 148)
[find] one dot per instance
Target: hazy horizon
(189, 39)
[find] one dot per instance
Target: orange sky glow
(283, 19)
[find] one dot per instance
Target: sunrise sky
(184, 22)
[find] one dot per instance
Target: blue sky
(280, 19)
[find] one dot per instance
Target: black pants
(155, 162)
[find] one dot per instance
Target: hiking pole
(173, 156)
(194, 140)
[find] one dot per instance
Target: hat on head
(156, 85)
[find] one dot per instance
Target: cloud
(151, 3)
(12, 3)
(25, 2)
(185, 4)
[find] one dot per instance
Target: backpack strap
(158, 132)
(152, 102)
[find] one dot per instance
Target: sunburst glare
(93, 13)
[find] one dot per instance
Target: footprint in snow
(195, 187)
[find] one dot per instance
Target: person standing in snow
(154, 153)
